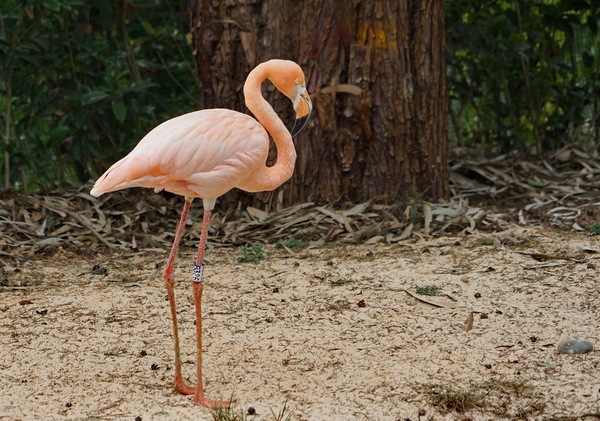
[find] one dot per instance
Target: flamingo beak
(302, 113)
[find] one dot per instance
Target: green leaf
(147, 27)
(93, 97)
(536, 182)
(119, 110)
(53, 5)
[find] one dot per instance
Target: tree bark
(376, 72)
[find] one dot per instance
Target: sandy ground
(333, 332)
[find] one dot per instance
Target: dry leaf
(76, 219)
(469, 322)
(428, 301)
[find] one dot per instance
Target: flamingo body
(205, 154)
(201, 154)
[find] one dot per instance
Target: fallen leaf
(469, 322)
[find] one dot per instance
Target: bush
(81, 80)
(523, 73)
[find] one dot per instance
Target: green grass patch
(504, 398)
(428, 290)
(456, 400)
(251, 253)
(291, 243)
(230, 413)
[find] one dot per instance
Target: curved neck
(269, 178)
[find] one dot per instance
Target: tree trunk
(375, 70)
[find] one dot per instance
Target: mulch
(560, 190)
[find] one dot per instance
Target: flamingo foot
(208, 403)
(200, 400)
(183, 388)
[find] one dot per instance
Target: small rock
(575, 346)
(99, 270)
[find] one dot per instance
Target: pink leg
(168, 276)
(197, 287)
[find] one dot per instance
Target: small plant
(489, 396)
(229, 413)
(517, 388)
(251, 253)
(456, 400)
(428, 290)
(595, 228)
(284, 414)
(291, 243)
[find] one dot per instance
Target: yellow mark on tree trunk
(380, 34)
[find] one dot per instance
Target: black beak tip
(299, 124)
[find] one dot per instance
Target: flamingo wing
(201, 154)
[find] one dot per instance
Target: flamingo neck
(269, 178)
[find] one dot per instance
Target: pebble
(575, 346)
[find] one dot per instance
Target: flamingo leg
(169, 278)
(198, 287)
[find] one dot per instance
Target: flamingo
(204, 154)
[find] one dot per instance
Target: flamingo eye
(297, 82)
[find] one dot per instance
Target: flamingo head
(288, 78)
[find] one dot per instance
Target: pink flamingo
(205, 154)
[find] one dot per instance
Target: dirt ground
(328, 332)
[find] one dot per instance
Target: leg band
(197, 274)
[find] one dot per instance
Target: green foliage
(230, 413)
(595, 228)
(523, 73)
(251, 253)
(427, 290)
(292, 243)
(456, 400)
(81, 80)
